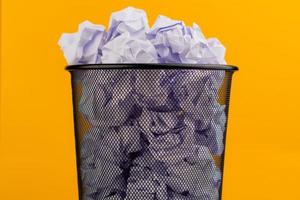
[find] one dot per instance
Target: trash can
(150, 131)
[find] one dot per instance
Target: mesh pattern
(150, 134)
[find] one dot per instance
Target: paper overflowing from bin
(130, 40)
(153, 133)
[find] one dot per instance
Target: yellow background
(37, 160)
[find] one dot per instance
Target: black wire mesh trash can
(150, 131)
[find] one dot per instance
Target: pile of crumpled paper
(153, 133)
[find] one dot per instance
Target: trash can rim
(142, 66)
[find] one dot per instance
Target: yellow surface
(37, 160)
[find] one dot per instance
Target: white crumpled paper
(83, 47)
(176, 43)
(130, 40)
(127, 49)
(152, 135)
(129, 20)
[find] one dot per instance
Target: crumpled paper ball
(105, 156)
(83, 47)
(127, 49)
(169, 135)
(129, 20)
(192, 178)
(105, 99)
(176, 43)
